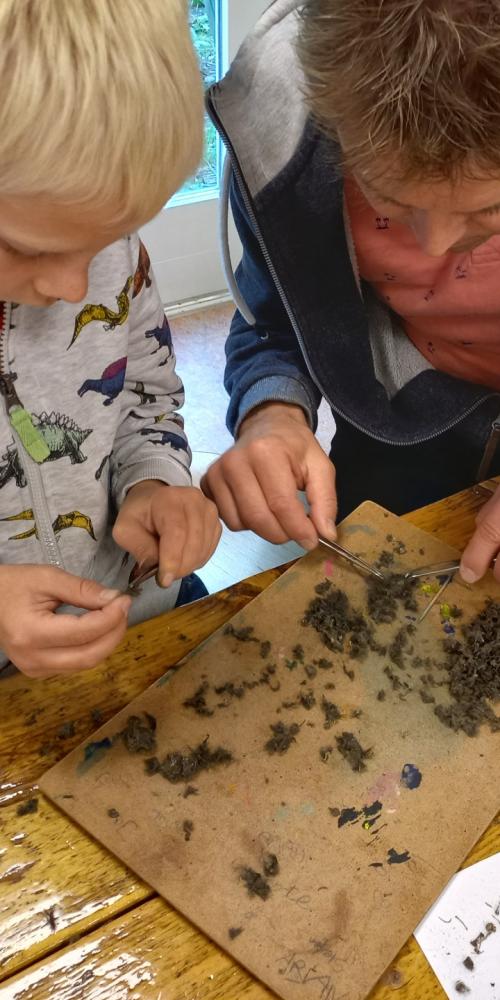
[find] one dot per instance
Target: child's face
(454, 216)
(46, 249)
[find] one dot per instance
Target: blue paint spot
(411, 777)
(448, 628)
(348, 816)
(282, 813)
(92, 748)
(93, 753)
(366, 529)
(308, 808)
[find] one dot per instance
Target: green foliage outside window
(203, 26)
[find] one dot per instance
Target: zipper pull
(22, 421)
(8, 391)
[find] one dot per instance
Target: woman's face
(445, 216)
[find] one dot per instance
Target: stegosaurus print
(74, 519)
(63, 438)
(100, 313)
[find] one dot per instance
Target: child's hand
(41, 643)
(174, 526)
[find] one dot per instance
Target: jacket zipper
(265, 253)
(7, 378)
(41, 514)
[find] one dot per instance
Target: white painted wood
(182, 240)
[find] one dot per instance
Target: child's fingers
(75, 590)
(202, 540)
(53, 631)
(172, 541)
(131, 535)
(70, 659)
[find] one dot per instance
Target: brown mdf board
(360, 855)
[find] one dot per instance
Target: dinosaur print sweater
(89, 407)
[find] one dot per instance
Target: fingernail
(468, 575)
(124, 603)
(106, 596)
(331, 528)
(165, 579)
(307, 544)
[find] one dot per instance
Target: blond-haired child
(100, 122)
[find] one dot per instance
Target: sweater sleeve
(150, 443)
(264, 361)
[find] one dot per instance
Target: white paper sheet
(449, 935)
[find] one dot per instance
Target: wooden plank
(453, 520)
(151, 953)
(55, 882)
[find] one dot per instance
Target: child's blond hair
(100, 102)
(414, 79)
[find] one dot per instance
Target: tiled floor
(199, 339)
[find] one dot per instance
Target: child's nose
(64, 277)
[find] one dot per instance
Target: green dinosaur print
(63, 439)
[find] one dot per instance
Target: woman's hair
(415, 80)
(101, 102)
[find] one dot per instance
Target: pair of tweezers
(135, 584)
(134, 587)
(353, 559)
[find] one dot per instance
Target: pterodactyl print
(74, 519)
(103, 314)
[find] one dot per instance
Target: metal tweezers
(134, 587)
(436, 569)
(444, 569)
(353, 559)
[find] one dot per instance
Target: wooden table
(74, 922)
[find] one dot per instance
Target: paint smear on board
(365, 529)
(93, 753)
(387, 788)
(368, 814)
(308, 808)
(282, 813)
(411, 777)
(328, 567)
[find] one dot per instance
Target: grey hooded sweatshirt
(89, 407)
